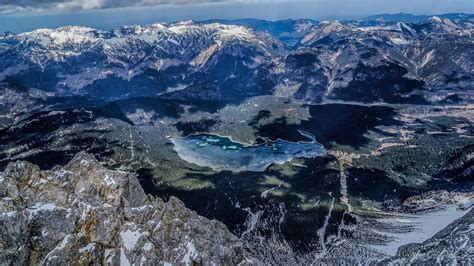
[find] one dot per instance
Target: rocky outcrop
(84, 213)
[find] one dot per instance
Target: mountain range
(423, 62)
(387, 100)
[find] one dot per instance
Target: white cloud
(14, 6)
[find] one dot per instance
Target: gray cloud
(14, 6)
(241, 8)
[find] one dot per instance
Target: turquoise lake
(222, 153)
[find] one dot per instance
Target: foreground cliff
(84, 213)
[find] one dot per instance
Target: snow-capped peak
(226, 31)
(435, 19)
(331, 24)
(126, 45)
(60, 36)
(443, 24)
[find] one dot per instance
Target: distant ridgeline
(399, 58)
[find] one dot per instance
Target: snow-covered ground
(424, 227)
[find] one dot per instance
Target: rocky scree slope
(83, 213)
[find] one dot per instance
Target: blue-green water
(222, 153)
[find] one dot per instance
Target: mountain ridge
(306, 60)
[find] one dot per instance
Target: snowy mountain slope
(372, 63)
(72, 58)
(396, 62)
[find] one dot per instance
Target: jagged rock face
(84, 213)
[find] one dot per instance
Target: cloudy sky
(23, 15)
